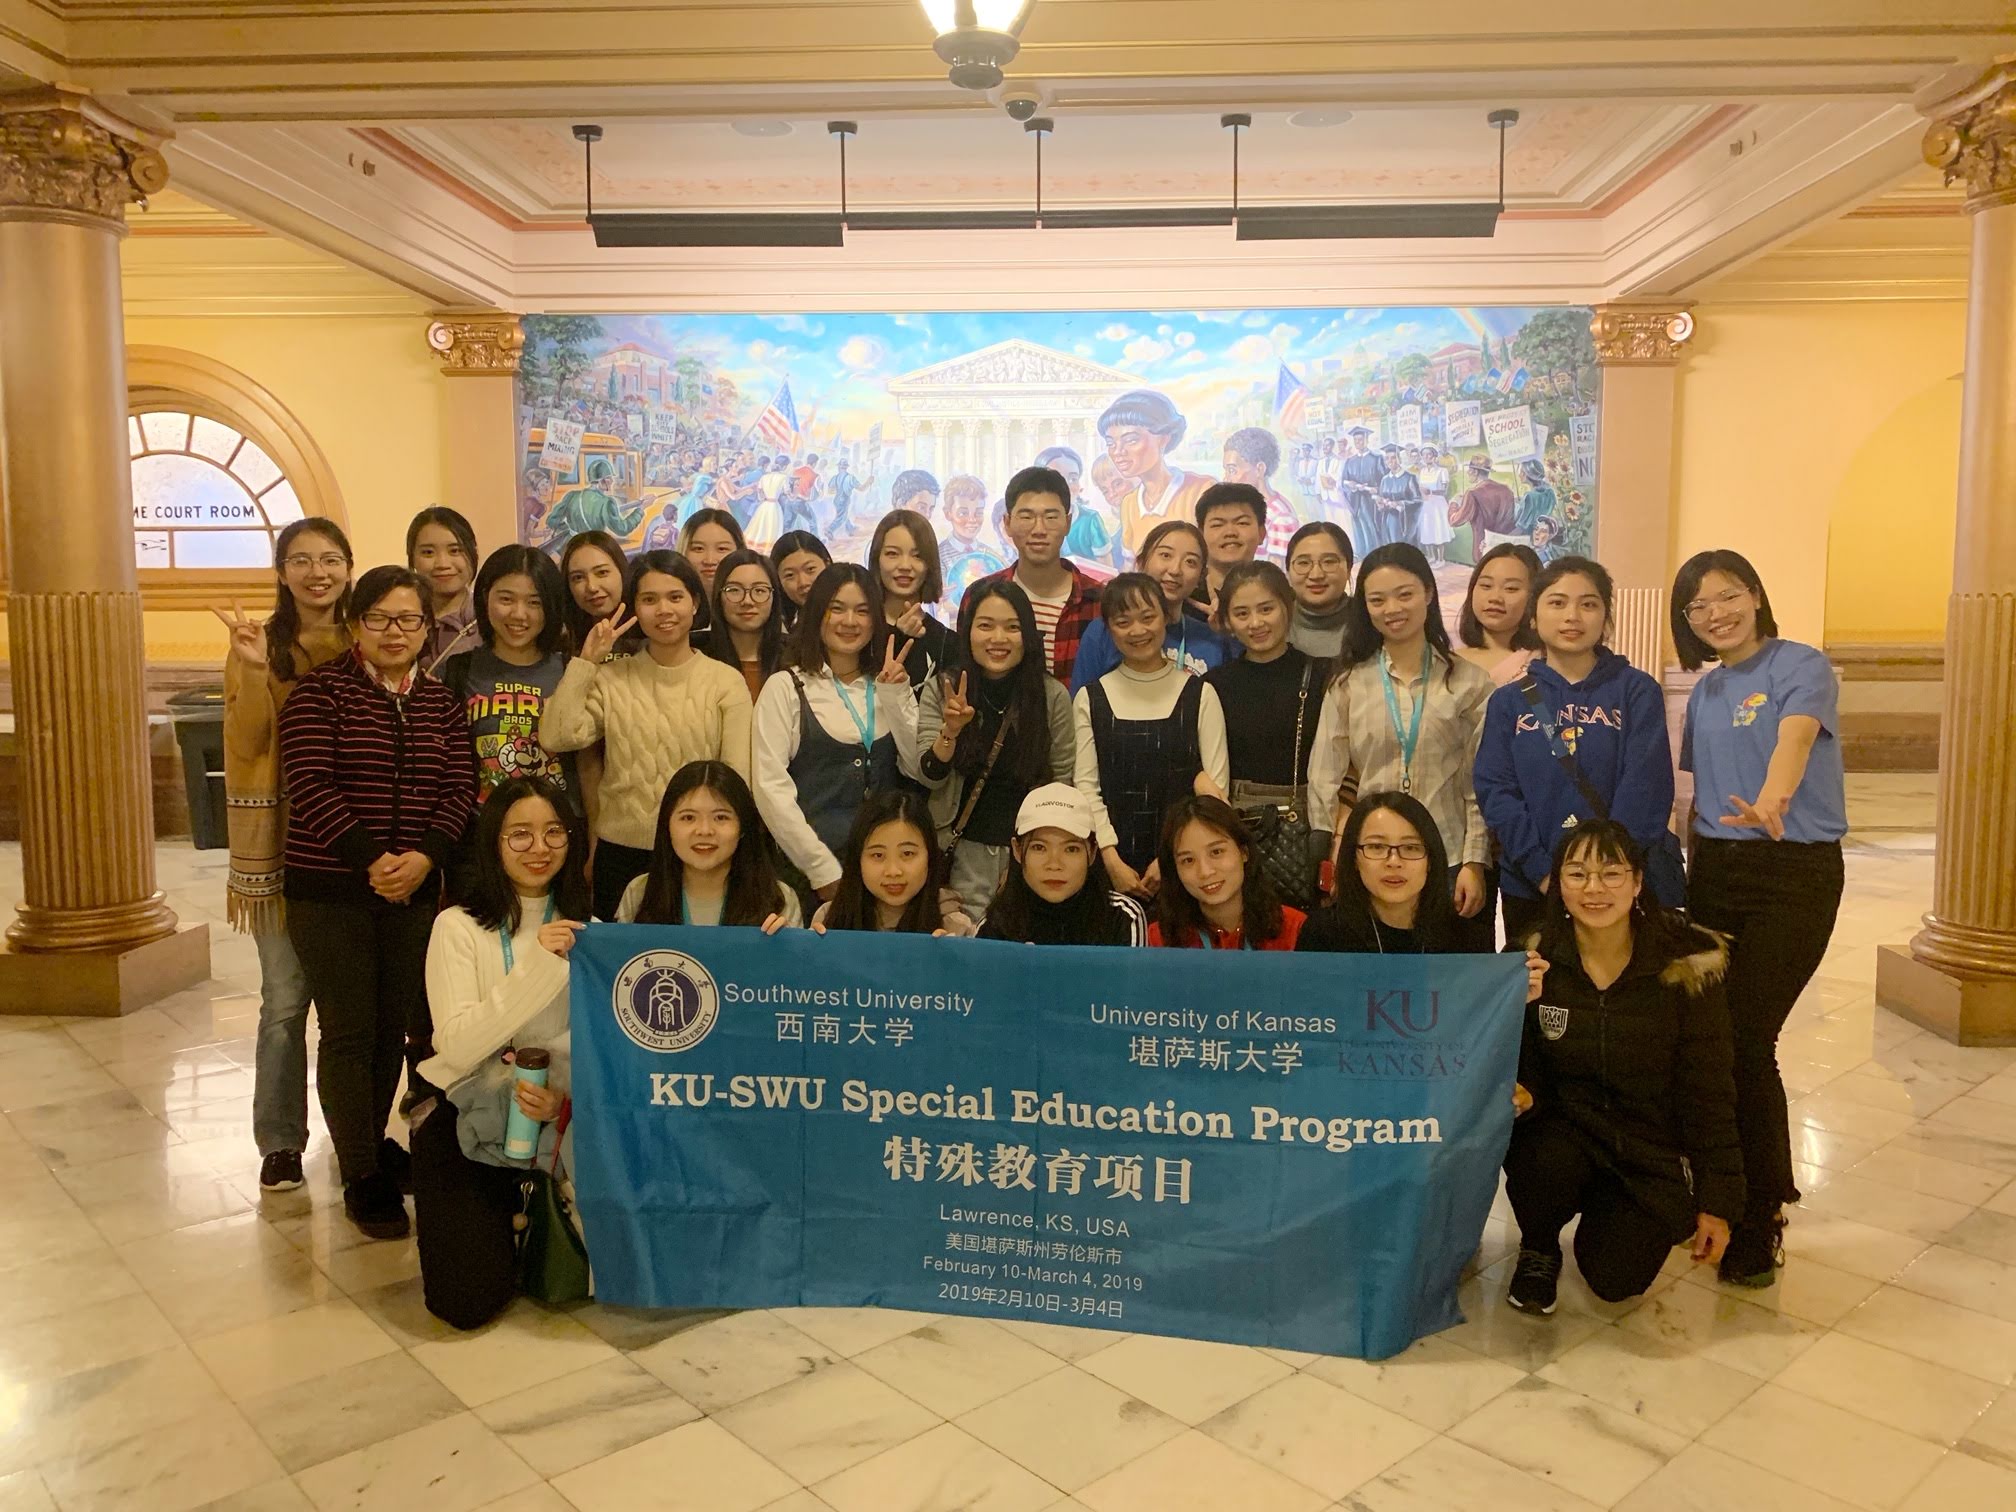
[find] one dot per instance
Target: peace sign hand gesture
(248, 637)
(602, 637)
(893, 670)
(958, 713)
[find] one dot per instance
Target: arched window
(205, 494)
(219, 467)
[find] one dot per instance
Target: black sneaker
(280, 1171)
(1755, 1252)
(375, 1206)
(1535, 1279)
(395, 1161)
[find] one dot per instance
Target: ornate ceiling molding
(62, 157)
(1639, 336)
(477, 346)
(1974, 142)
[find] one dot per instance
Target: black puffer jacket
(1641, 1072)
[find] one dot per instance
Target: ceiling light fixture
(977, 38)
(1319, 120)
(829, 228)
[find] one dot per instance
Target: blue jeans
(280, 1064)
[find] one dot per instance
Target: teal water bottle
(521, 1134)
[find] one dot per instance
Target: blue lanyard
(1411, 736)
(865, 731)
(511, 956)
(1204, 939)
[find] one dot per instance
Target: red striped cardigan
(366, 774)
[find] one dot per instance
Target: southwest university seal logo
(665, 1001)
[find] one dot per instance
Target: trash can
(198, 716)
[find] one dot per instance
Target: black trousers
(616, 867)
(1776, 900)
(1478, 935)
(463, 1210)
(366, 965)
(1549, 1178)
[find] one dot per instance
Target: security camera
(1021, 103)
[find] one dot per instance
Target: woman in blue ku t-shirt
(1762, 739)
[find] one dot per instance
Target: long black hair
(1090, 916)
(283, 629)
(853, 906)
(808, 650)
(1179, 914)
(527, 561)
(1023, 693)
(578, 622)
(787, 546)
(1664, 932)
(490, 897)
(770, 639)
(1470, 629)
(1693, 651)
(1362, 640)
(753, 892)
(1435, 914)
(923, 540)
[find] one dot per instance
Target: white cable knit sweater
(652, 720)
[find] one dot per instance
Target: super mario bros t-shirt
(1732, 729)
(504, 704)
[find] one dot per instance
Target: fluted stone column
(93, 932)
(1959, 976)
(479, 352)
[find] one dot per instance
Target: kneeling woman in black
(497, 984)
(1383, 904)
(1626, 1089)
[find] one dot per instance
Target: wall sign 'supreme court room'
(528, 531)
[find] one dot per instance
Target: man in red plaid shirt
(1065, 600)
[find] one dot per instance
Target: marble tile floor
(170, 1340)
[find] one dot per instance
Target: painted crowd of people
(439, 771)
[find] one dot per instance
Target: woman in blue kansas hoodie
(1594, 707)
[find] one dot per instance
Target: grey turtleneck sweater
(1319, 634)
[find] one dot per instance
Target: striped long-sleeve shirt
(369, 774)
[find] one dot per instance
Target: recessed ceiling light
(762, 128)
(1315, 120)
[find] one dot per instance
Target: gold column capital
(1973, 139)
(1640, 335)
(64, 157)
(478, 344)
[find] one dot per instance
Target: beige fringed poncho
(255, 805)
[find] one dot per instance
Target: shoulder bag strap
(973, 793)
(1562, 754)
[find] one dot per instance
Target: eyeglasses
(1699, 609)
(376, 620)
(554, 835)
(1302, 566)
(1406, 850)
(329, 561)
(1609, 878)
(736, 593)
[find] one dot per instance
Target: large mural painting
(1455, 428)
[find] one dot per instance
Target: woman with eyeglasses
(1627, 1108)
(1319, 571)
(1404, 715)
(748, 618)
(497, 985)
(380, 784)
(308, 627)
(1383, 903)
(1762, 738)
(653, 712)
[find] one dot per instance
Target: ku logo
(1747, 711)
(665, 1001)
(1553, 1021)
(1403, 1012)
